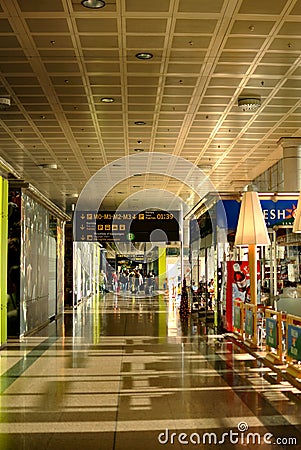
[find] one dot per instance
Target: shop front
(278, 271)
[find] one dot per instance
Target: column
(291, 163)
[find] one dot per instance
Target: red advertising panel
(238, 287)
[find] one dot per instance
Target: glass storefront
(279, 284)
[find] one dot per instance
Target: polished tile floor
(123, 373)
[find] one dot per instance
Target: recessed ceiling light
(137, 175)
(138, 150)
(140, 122)
(107, 100)
(205, 166)
(93, 4)
(144, 55)
(48, 166)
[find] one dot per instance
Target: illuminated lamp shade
(251, 227)
(297, 221)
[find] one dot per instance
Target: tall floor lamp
(252, 231)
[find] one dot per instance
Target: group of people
(128, 280)
(199, 292)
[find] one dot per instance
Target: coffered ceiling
(59, 59)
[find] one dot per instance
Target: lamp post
(252, 231)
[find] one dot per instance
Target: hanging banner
(127, 226)
(271, 332)
(294, 342)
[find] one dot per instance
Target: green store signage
(294, 342)
(237, 317)
(271, 332)
(249, 322)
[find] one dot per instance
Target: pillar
(291, 163)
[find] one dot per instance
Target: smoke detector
(4, 103)
(249, 104)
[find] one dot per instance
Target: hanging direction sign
(126, 226)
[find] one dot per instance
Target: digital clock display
(165, 216)
(147, 222)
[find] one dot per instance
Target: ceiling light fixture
(68, 194)
(4, 103)
(107, 100)
(205, 166)
(93, 4)
(249, 104)
(144, 55)
(138, 150)
(140, 122)
(48, 166)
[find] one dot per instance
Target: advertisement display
(238, 287)
(271, 332)
(294, 342)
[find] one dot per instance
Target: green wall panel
(3, 258)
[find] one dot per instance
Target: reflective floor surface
(123, 373)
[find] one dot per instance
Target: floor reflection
(119, 371)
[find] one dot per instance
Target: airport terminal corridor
(122, 372)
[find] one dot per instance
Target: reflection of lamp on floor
(252, 231)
